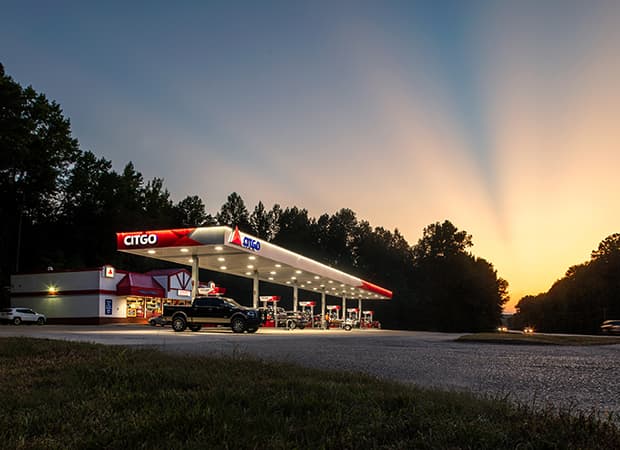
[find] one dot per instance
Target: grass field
(538, 339)
(57, 395)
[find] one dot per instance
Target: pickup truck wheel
(17, 321)
(195, 327)
(179, 324)
(40, 321)
(237, 325)
(291, 324)
(347, 327)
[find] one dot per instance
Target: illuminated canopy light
(184, 250)
(219, 248)
(248, 273)
(252, 258)
(278, 265)
(270, 278)
(298, 272)
(250, 266)
(151, 252)
(223, 267)
(316, 277)
(220, 259)
(273, 272)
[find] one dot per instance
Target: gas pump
(367, 319)
(307, 309)
(270, 308)
(352, 319)
(352, 314)
(332, 312)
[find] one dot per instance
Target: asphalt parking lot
(579, 378)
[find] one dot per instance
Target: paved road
(585, 378)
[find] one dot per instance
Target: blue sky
(500, 116)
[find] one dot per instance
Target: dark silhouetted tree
(191, 212)
(234, 213)
(265, 223)
(36, 151)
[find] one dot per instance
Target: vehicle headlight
(252, 313)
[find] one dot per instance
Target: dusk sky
(500, 116)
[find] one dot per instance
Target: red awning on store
(141, 285)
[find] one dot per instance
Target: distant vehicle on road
(528, 330)
(502, 329)
(18, 315)
(611, 327)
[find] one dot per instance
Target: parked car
(18, 315)
(611, 327)
(157, 321)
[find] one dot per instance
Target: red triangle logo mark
(236, 238)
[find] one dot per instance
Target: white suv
(19, 315)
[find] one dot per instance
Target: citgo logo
(252, 244)
(246, 242)
(140, 239)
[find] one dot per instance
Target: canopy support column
(255, 290)
(344, 308)
(195, 275)
(359, 312)
(295, 296)
(323, 308)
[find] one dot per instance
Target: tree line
(588, 294)
(61, 207)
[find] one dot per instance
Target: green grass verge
(540, 339)
(58, 395)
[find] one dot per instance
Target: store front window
(147, 307)
(135, 307)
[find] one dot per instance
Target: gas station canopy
(223, 249)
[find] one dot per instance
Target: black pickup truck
(212, 311)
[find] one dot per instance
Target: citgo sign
(140, 239)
